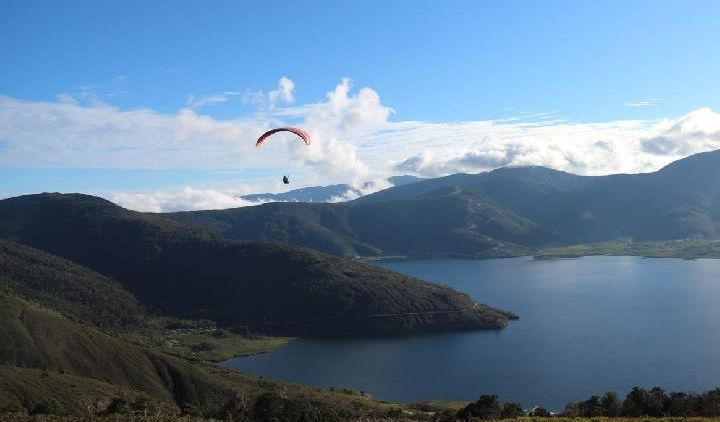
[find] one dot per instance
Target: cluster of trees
(272, 407)
(638, 403)
(653, 403)
(489, 407)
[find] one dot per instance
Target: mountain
(62, 353)
(331, 193)
(62, 285)
(508, 211)
(679, 201)
(447, 221)
(309, 194)
(48, 362)
(253, 286)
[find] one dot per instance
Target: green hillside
(447, 221)
(27, 390)
(100, 366)
(250, 286)
(687, 249)
(67, 287)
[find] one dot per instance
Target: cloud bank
(185, 199)
(354, 141)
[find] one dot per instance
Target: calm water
(586, 326)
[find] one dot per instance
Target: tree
(119, 405)
(710, 406)
(572, 410)
(50, 407)
(511, 410)
(657, 402)
(269, 407)
(610, 404)
(591, 407)
(540, 412)
(446, 415)
(486, 407)
(635, 403)
(679, 405)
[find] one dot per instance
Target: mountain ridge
(329, 193)
(505, 212)
(190, 272)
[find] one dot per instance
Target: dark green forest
(261, 287)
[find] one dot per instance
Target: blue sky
(572, 62)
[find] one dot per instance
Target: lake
(587, 325)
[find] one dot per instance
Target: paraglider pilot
(299, 132)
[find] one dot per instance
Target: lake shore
(681, 249)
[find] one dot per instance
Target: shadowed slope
(262, 287)
(505, 212)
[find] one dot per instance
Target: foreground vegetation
(406, 417)
(686, 249)
(655, 403)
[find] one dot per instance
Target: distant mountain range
(331, 193)
(505, 212)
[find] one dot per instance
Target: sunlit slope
(83, 363)
(69, 288)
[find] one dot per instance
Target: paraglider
(299, 132)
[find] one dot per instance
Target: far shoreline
(675, 249)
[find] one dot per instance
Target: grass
(404, 416)
(603, 419)
(77, 395)
(200, 339)
(437, 406)
(686, 249)
(91, 364)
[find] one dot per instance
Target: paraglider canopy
(299, 132)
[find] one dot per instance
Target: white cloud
(694, 132)
(625, 146)
(647, 102)
(185, 199)
(339, 126)
(362, 189)
(196, 102)
(71, 134)
(283, 93)
(353, 141)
